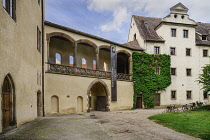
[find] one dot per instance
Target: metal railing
(63, 69)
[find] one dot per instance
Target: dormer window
(209, 31)
(204, 37)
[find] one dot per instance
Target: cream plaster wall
(20, 58)
(74, 86)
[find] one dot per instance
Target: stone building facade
(186, 41)
(21, 61)
(48, 68)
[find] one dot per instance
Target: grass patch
(194, 123)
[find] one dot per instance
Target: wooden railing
(56, 68)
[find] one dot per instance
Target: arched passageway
(8, 103)
(98, 97)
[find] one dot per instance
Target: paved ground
(115, 125)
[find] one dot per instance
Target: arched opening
(57, 58)
(94, 64)
(60, 48)
(8, 103)
(86, 49)
(122, 63)
(98, 97)
(105, 68)
(79, 104)
(39, 104)
(84, 63)
(54, 104)
(71, 61)
(104, 57)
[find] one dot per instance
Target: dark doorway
(8, 103)
(98, 98)
(122, 63)
(157, 99)
(139, 101)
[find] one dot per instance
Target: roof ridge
(147, 17)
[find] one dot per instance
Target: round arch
(88, 42)
(104, 47)
(125, 52)
(8, 102)
(106, 89)
(49, 35)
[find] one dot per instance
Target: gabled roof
(133, 44)
(179, 5)
(146, 27)
(91, 36)
(203, 29)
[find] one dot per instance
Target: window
(188, 72)
(157, 71)
(185, 33)
(205, 95)
(205, 53)
(105, 68)
(10, 7)
(4, 4)
(173, 94)
(173, 32)
(38, 39)
(71, 61)
(94, 64)
(84, 63)
(173, 71)
(189, 94)
(134, 37)
(39, 2)
(156, 50)
(188, 52)
(204, 37)
(172, 51)
(57, 58)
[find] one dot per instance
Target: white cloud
(122, 10)
(119, 16)
(103, 5)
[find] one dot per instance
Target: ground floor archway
(8, 103)
(98, 96)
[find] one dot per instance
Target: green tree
(204, 78)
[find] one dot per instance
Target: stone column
(97, 58)
(75, 54)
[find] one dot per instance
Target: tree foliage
(146, 80)
(204, 78)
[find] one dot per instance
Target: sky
(110, 19)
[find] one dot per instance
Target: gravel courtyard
(114, 125)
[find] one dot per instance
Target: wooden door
(157, 99)
(6, 109)
(139, 102)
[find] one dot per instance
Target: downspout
(43, 69)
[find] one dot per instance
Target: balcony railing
(56, 68)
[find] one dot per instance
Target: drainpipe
(43, 19)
